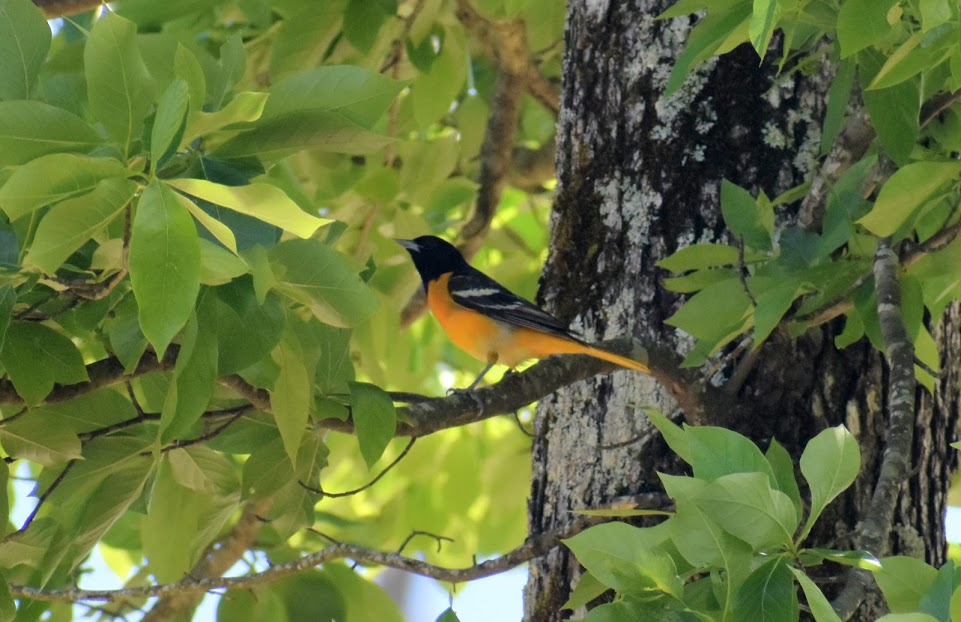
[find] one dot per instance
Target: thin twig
(534, 546)
(440, 539)
(319, 490)
(46, 495)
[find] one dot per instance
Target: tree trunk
(639, 177)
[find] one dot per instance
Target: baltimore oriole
(485, 319)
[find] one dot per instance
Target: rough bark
(639, 177)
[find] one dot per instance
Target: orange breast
(489, 340)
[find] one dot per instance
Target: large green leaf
(862, 23)
(194, 374)
(246, 331)
(375, 419)
(40, 440)
(746, 506)
(745, 217)
(716, 452)
(164, 264)
(904, 581)
(243, 108)
(366, 601)
(36, 356)
(320, 130)
(30, 129)
(768, 594)
(291, 395)
(168, 125)
(319, 277)
(830, 463)
(118, 85)
(69, 224)
(359, 95)
(625, 558)
(53, 177)
(87, 412)
(262, 201)
(895, 111)
(905, 191)
(24, 42)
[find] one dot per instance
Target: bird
(485, 319)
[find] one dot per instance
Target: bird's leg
(481, 375)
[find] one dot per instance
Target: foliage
(732, 549)
(192, 192)
(905, 57)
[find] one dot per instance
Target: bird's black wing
(477, 291)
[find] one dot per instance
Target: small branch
(397, 45)
(319, 490)
(440, 539)
(193, 588)
(105, 373)
(46, 495)
(213, 433)
(899, 438)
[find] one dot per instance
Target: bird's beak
(410, 245)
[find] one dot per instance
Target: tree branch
(899, 353)
(191, 590)
(105, 373)
(65, 8)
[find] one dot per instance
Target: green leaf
(448, 615)
(700, 256)
(262, 201)
(745, 217)
(433, 91)
(839, 95)
(219, 266)
(363, 19)
(768, 594)
(905, 62)
(24, 42)
(625, 558)
(904, 581)
(334, 367)
(305, 35)
(246, 331)
(716, 452)
(937, 600)
(88, 412)
(820, 607)
(194, 374)
(168, 125)
(188, 69)
(772, 304)
(855, 559)
(905, 191)
(243, 108)
(164, 264)
(894, 111)
(320, 278)
(35, 357)
(267, 470)
(764, 17)
(8, 298)
(587, 589)
(69, 224)
(169, 527)
(783, 468)
(366, 601)
(40, 440)
(862, 23)
(262, 602)
(706, 39)
(8, 606)
(53, 177)
(292, 394)
(123, 331)
(309, 129)
(714, 311)
(830, 463)
(204, 470)
(375, 419)
(359, 95)
(310, 595)
(746, 506)
(217, 229)
(934, 13)
(674, 435)
(30, 129)
(119, 87)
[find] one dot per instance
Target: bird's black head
(433, 257)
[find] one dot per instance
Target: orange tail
(617, 359)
